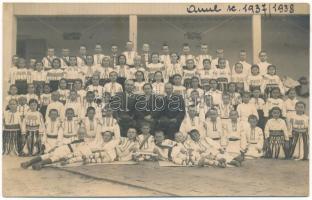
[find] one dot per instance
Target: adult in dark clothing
(123, 104)
(148, 107)
(171, 118)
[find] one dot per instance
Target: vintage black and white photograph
(155, 99)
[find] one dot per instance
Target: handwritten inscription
(194, 9)
(264, 8)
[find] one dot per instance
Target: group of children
(231, 113)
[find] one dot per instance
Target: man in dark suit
(171, 118)
(123, 104)
(148, 107)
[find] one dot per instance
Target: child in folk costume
(224, 109)
(214, 92)
(195, 86)
(104, 70)
(204, 151)
(299, 128)
(179, 153)
(65, 58)
(39, 78)
(72, 72)
(263, 64)
(235, 137)
(21, 77)
(122, 69)
(11, 140)
(137, 67)
(173, 68)
(260, 104)
(76, 149)
(276, 136)
(45, 99)
(243, 61)
(81, 59)
(158, 85)
(163, 147)
(127, 146)
(255, 80)
(63, 91)
(89, 101)
(192, 121)
(185, 55)
(146, 144)
(53, 131)
(213, 127)
(32, 129)
(290, 102)
(70, 126)
(73, 102)
(98, 56)
(208, 104)
(189, 71)
(215, 62)
(114, 55)
(12, 95)
(206, 72)
(95, 86)
(88, 70)
(254, 137)
(165, 57)
(106, 152)
(91, 124)
(113, 86)
(246, 108)
(223, 74)
(234, 95)
(195, 100)
(178, 88)
(139, 82)
(274, 101)
(55, 74)
(56, 104)
(200, 59)
(22, 107)
(154, 66)
(239, 77)
(47, 60)
(108, 122)
(130, 53)
(271, 81)
(31, 92)
(80, 91)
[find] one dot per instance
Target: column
(133, 30)
(9, 42)
(256, 37)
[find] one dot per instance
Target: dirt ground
(255, 178)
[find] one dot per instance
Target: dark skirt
(11, 141)
(261, 121)
(275, 144)
(21, 86)
(54, 84)
(39, 86)
(295, 141)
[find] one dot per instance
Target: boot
(39, 165)
(235, 163)
(27, 164)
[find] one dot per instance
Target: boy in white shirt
(112, 87)
(203, 56)
(263, 64)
